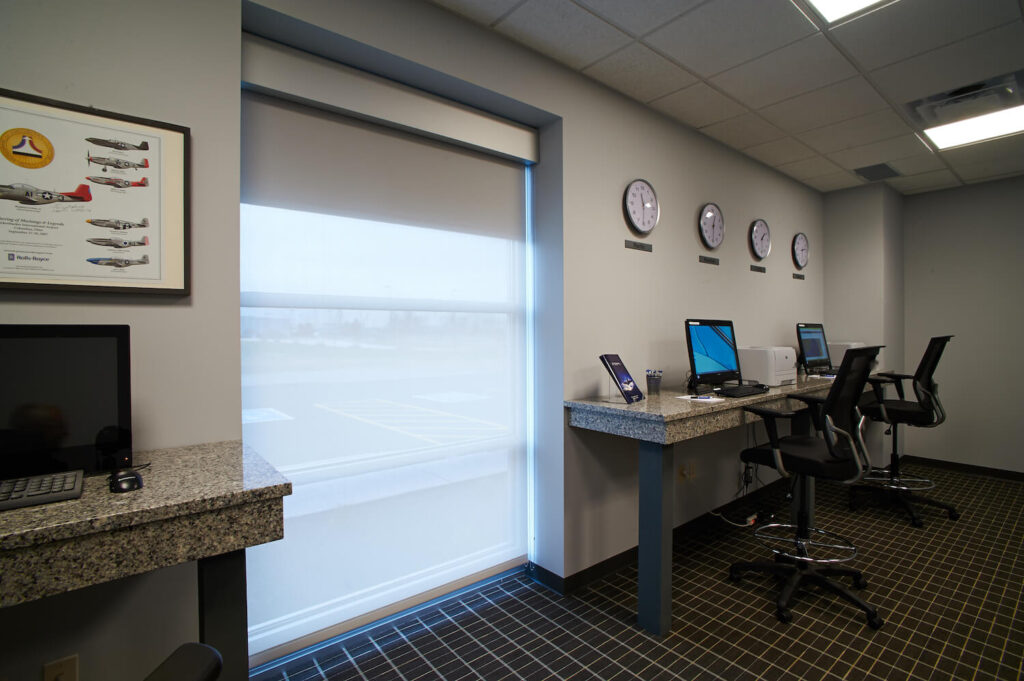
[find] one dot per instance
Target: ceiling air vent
(994, 94)
(879, 171)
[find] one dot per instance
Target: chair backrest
(840, 407)
(924, 382)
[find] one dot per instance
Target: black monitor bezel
(713, 377)
(816, 365)
(121, 457)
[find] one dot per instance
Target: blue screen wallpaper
(714, 348)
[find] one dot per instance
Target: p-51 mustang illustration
(119, 224)
(118, 144)
(117, 181)
(119, 243)
(115, 162)
(119, 262)
(33, 196)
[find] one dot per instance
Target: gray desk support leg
(223, 616)
(654, 610)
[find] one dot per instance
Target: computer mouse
(125, 480)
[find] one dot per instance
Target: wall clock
(640, 206)
(711, 225)
(800, 250)
(760, 238)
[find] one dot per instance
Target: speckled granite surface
(665, 419)
(196, 502)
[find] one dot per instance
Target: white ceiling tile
(831, 104)
(988, 160)
(926, 182)
(563, 31)
(816, 166)
(743, 131)
(778, 152)
(873, 127)
(640, 73)
(915, 165)
(834, 181)
(484, 12)
(909, 27)
(797, 68)
(990, 54)
(639, 16)
(878, 152)
(698, 105)
(723, 33)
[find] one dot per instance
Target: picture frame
(92, 200)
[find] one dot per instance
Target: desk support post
(655, 538)
(223, 615)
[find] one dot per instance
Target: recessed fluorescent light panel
(977, 129)
(833, 10)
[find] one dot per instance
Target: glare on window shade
(312, 253)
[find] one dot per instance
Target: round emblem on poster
(26, 148)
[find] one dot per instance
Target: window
(383, 364)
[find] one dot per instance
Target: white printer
(771, 365)
(837, 349)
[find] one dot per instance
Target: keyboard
(741, 390)
(40, 489)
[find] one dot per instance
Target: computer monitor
(711, 346)
(65, 398)
(813, 348)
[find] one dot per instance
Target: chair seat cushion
(899, 411)
(803, 455)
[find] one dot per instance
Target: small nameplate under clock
(708, 261)
(758, 268)
(798, 276)
(637, 246)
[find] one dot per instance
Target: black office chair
(190, 662)
(926, 412)
(804, 553)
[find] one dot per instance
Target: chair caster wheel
(859, 583)
(785, 616)
(953, 515)
(916, 522)
(874, 621)
(734, 575)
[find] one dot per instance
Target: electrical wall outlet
(64, 669)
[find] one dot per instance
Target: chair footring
(819, 547)
(883, 477)
(795, 574)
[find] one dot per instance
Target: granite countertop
(181, 481)
(667, 406)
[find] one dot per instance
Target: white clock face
(760, 239)
(640, 205)
(800, 250)
(712, 226)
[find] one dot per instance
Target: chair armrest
(814, 402)
(770, 416)
(897, 380)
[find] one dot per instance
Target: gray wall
(615, 300)
(963, 252)
(864, 273)
(168, 61)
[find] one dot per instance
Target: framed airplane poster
(91, 200)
